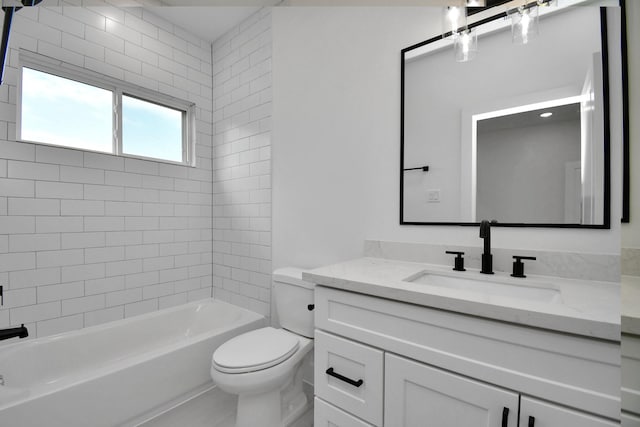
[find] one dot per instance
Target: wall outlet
(433, 196)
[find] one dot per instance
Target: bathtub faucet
(20, 332)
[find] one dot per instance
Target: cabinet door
(536, 413)
(418, 395)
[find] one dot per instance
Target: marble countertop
(583, 307)
(630, 306)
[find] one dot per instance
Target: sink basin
(533, 291)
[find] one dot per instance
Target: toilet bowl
(264, 366)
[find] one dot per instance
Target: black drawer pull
(505, 417)
(532, 421)
(345, 379)
(310, 307)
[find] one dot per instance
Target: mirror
(519, 134)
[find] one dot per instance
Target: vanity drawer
(571, 370)
(327, 415)
(349, 375)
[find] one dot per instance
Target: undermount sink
(503, 287)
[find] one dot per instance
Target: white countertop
(585, 307)
(630, 304)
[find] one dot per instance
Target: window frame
(118, 88)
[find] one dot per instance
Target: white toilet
(263, 366)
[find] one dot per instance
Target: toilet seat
(255, 350)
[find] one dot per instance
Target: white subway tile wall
(242, 164)
(88, 238)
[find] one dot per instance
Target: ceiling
(209, 19)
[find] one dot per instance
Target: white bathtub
(114, 374)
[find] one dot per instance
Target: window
(72, 107)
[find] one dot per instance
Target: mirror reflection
(517, 134)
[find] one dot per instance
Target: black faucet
(20, 332)
(487, 258)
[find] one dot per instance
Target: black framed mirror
(520, 134)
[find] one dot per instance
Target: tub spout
(20, 332)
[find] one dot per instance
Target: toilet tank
(293, 298)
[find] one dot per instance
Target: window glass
(151, 130)
(65, 112)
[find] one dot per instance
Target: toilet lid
(255, 350)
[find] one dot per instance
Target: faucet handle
(459, 261)
(518, 265)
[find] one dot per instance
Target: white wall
(87, 238)
(336, 139)
(242, 164)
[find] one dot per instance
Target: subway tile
(30, 170)
(27, 206)
(123, 297)
(124, 62)
(33, 242)
(36, 277)
(103, 161)
(104, 285)
(114, 223)
(157, 182)
(123, 209)
(157, 209)
(82, 272)
(85, 15)
(112, 253)
(57, 224)
(103, 192)
(51, 18)
(83, 304)
(123, 267)
(141, 251)
(141, 195)
(19, 297)
(61, 291)
(99, 317)
(17, 224)
(157, 263)
(155, 291)
(55, 51)
(82, 175)
(58, 156)
(82, 240)
(141, 223)
(116, 238)
(16, 187)
(35, 313)
(82, 208)
(125, 179)
(141, 166)
(60, 258)
(58, 190)
(104, 39)
(60, 325)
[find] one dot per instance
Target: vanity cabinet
(410, 365)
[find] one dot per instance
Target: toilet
(264, 366)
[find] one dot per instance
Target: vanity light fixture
(465, 45)
(454, 18)
(547, 114)
(524, 22)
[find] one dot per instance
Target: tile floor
(213, 408)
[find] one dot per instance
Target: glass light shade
(454, 18)
(465, 45)
(524, 24)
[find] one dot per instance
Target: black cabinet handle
(505, 417)
(331, 372)
(532, 421)
(310, 307)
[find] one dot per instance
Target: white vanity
(408, 344)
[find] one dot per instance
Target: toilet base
(275, 408)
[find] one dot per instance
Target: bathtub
(117, 373)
